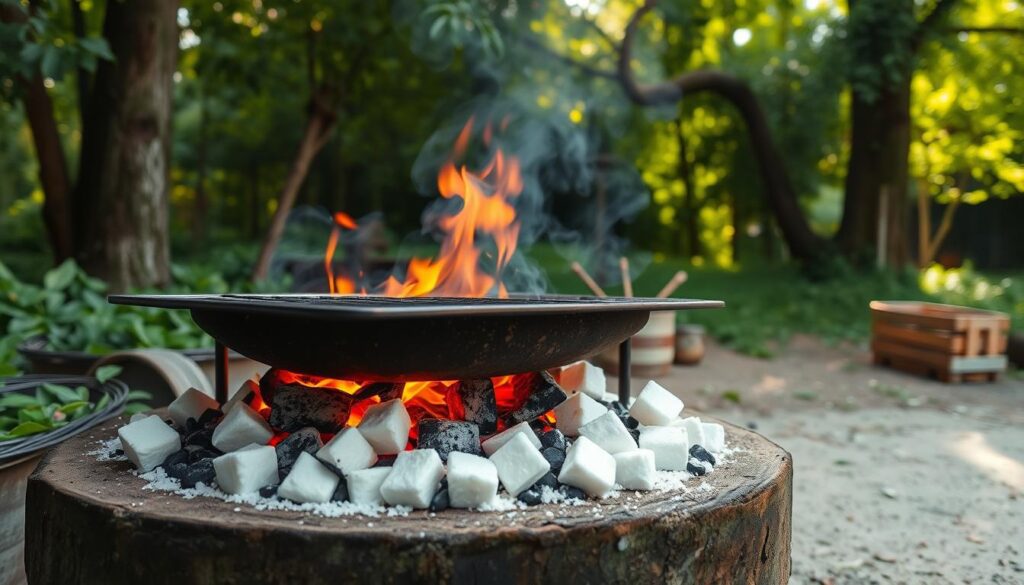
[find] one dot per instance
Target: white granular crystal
(107, 450)
(158, 480)
(502, 503)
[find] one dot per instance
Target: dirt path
(897, 479)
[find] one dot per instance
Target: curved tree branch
(802, 242)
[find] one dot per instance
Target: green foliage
(463, 23)
(54, 405)
(879, 36)
(36, 42)
(71, 312)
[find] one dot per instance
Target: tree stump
(91, 522)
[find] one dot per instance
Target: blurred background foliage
(674, 185)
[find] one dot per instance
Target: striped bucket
(654, 348)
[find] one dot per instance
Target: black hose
(20, 447)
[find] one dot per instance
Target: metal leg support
(221, 372)
(624, 368)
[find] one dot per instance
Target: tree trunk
(318, 130)
(876, 205)
(53, 169)
(693, 247)
(202, 205)
(121, 204)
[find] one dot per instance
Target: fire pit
(445, 432)
(90, 522)
(313, 518)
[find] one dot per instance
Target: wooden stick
(582, 273)
(627, 282)
(679, 278)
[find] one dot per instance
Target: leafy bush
(55, 405)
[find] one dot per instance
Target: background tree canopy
(861, 133)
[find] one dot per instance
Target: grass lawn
(766, 304)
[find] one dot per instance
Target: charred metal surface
(414, 339)
(90, 522)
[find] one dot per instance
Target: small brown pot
(689, 344)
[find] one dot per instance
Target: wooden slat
(923, 356)
(927, 338)
(933, 315)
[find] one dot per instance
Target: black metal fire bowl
(411, 339)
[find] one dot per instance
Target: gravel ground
(897, 479)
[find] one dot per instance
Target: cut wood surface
(91, 522)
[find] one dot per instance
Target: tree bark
(319, 126)
(201, 208)
(121, 203)
(876, 204)
(53, 168)
(693, 247)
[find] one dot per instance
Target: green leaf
(83, 392)
(32, 53)
(139, 395)
(32, 414)
(102, 404)
(16, 401)
(107, 372)
(26, 428)
(50, 65)
(61, 393)
(60, 277)
(97, 46)
(73, 406)
(135, 408)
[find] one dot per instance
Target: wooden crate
(947, 342)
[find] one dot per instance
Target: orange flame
(487, 211)
(338, 285)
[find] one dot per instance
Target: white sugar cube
(609, 433)
(670, 445)
(576, 411)
(634, 470)
(191, 404)
(247, 469)
(309, 482)
(386, 427)
(519, 464)
(364, 485)
(472, 480)
(348, 451)
(414, 478)
(655, 406)
(583, 377)
(694, 430)
(239, 428)
(588, 467)
(248, 388)
(714, 437)
(148, 442)
(494, 443)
